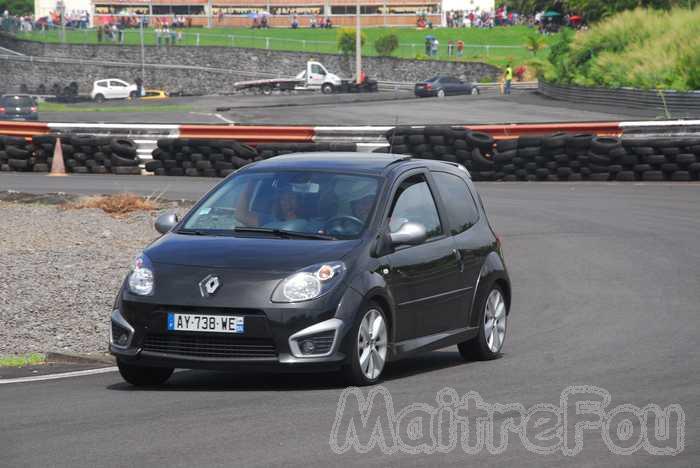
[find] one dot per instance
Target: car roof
(16, 96)
(372, 163)
(367, 163)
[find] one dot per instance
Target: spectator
(460, 48)
(295, 23)
(508, 78)
(450, 47)
(435, 46)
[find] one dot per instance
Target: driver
(362, 207)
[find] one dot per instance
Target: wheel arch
(493, 271)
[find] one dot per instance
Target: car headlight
(141, 277)
(309, 283)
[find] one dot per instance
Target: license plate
(205, 323)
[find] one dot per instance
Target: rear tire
(142, 376)
(441, 93)
(99, 98)
(369, 348)
(488, 343)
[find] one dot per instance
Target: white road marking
(224, 119)
(63, 375)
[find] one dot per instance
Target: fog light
(307, 347)
(122, 339)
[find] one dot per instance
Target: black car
(323, 261)
(18, 107)
(442, 86)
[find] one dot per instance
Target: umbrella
(551, 14)
(429, 38)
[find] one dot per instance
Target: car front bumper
(271, 340)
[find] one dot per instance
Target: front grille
(211, 346)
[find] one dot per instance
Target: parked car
(442, 86)
(112, 89)
(155, 94)
(18, 107)
(324, 261)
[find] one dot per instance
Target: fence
(187, 37)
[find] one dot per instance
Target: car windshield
(17, 101)
(309, 204)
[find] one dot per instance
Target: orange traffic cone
(57, 166)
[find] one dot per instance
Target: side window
(461, 208)
(117, 84)
(413, 202)
(317, 69)
(102, 84)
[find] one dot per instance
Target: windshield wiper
(284, 233)
(200, 232)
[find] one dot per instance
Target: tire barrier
(219, 158)
(555, 157)
(83, 154)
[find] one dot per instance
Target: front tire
(488, 343)
(142, 376)
(327, 88)
(369, 348)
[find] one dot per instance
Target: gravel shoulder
(60, 272)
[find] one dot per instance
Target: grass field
(138, 106)
(497, 45)
(21, 361)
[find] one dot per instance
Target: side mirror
(409, 234)
(166, 222)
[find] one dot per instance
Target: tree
(17, 7)
(387, 44)
(346, 40)
(534, 43)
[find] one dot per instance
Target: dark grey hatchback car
(323, 261)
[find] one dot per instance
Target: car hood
(259, 253)
(249, 268)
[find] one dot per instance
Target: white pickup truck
(315, 77)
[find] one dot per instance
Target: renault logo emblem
(209, 285)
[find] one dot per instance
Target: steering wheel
(343, 225)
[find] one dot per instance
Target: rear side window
(459, 203)
(414, 203)
(102, 84)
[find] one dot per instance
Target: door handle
(458, 256)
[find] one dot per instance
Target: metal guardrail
(664, 101)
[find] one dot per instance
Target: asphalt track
(606, 294)
(384, 108)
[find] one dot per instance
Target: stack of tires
(556, 157)
(219, 158)
(455, 144)
(87, 154)
(199, 158)
(662, 159)
(17, 154)
(123, 157)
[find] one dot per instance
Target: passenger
(286, 209)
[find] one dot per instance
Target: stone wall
(235, 64)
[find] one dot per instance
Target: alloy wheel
(495, 321)
(372, 344)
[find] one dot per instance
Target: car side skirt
(408, 348)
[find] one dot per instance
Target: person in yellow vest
(508, 78)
